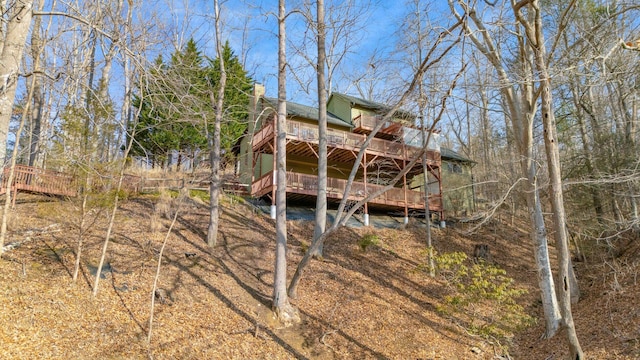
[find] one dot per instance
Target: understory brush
(482, 298)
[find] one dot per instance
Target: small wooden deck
(364, 124)
(31, 179)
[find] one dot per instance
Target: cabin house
(349, 120)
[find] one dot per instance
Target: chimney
(246, 161)
(258, 92)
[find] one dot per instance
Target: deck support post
(443, 224)
(366, 207)
(273, 193)
(274, 178)
(404, 187)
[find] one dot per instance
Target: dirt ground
(215, 303)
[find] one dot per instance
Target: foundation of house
(273, 212)
(366, 219)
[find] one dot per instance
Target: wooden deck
(31, 179)
(364, 124)
(303, 184)
(389, 152)
(305, 133)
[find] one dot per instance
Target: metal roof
(448, 154)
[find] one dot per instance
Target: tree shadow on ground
(266, 300)
(232, 306)
(387, 270)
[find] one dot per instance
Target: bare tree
(532, 25)
(519, 98)
(341, 23)
(597, 83)
(418, 42)
(217, 101)
(283, 309)
(521, 101)
(18, 22)
(36, 115)
(12, 166)
(10, 58)
(321, 198)
(122, 162)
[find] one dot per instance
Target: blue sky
(251, 28)
(260, 43)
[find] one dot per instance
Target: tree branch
(77, 18)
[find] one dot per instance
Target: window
(454, 168)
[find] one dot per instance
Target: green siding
(264, 164)
(457, 188)
(357, 111)
(340, 107)
(244, 158)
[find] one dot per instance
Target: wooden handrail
(343, 139)
(28, 178)
(308, 185)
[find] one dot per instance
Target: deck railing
(308, 184)
(342, 139)
(263, 135)
(27, 178)
(369, 122)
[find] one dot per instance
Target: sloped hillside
(371, 304)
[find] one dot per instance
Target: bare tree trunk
(7, 195)
(113, 212)
(321, 199)
(218, 101)
(422, 104)
(104, 128)
(125, 111)
(587, 153)
(283, 309)
(587, 142)
(90, 127)
(12, 166)
(546, 283)
(107, 238)
(81, 229)
(4, 96)
(535, 33)
(38, 96)
(427, 211)
(10, 59)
